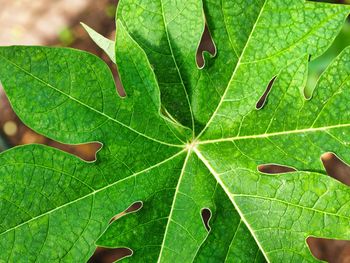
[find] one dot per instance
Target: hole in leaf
(336, 168)
(109, 255)
(263, 98)
(275, 169)
(206, 215)
(133, 208)
(329, 250)
(205, 45)
(86, 151)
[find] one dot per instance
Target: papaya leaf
(183, 140)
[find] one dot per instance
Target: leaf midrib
(177, 67)
(267, 135)
(291, 204)
(172, 206)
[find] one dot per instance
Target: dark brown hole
(336, 168)
(109, 255)
(275, 169)
(329, 250)
(263, 98)
(206, 215)
(206, 45)
(133, 208)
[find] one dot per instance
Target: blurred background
(57, 23)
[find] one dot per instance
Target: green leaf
(104, 43)
(184, 138)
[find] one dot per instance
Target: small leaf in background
(110, 10)
(66, 36)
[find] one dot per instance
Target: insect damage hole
(336, 168)
(206, 215)
(261, 102)
(86, 151)
(132, 208)
(206, 45)
(275, 169)
(329, 250)
(104, 255)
